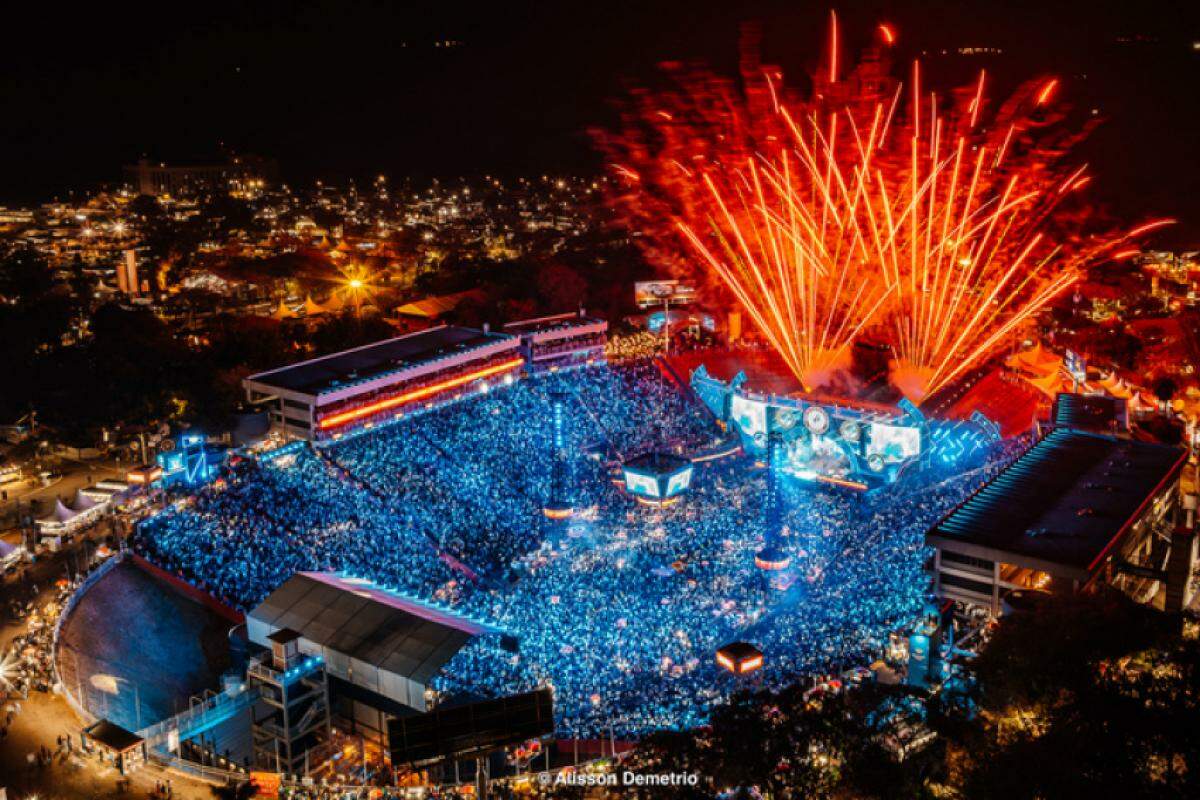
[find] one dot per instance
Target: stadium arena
(620, 606)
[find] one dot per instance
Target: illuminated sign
(679, 482)
(266, 784)
(654, 293)
(144, 475)
(644, 485)
(893, 442)
(1075, 365)
(750, 416)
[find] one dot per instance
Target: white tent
(10, 552)
(61, 514)
(82, 502)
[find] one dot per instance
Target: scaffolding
(292, 716)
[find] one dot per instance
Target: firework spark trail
(864, 206)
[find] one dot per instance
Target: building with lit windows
(1078, 510)
(237, 173)
(560, 340)
(329, 396)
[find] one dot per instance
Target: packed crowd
(27, 664)
(622, 609)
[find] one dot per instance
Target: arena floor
(131, 628)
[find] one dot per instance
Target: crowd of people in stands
(620, 609)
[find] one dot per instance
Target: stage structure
(657, 478)
(187, 461)
(853, 444)
(740, 658)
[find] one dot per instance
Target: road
(75, 475)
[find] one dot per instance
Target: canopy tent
(1036, 359)
(1121, 389)
(1141, 401)
(61, 514)
(282, 312)
(82, 502)
(335, 302)
(313, 308)
(1049, 385)
(431, 307)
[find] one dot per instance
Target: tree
(146, 208)
(560, 287)
(1033, 657)
(344, 331)
(1086, 696)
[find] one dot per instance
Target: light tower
(772, 558)
(558, 504)
(292, 716)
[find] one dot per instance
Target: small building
(124, 749)
(1078, 510)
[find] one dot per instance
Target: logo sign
(655, 293)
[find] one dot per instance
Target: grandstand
(326, 396)
(1091, 412)
(1077, 510)
(560, 340)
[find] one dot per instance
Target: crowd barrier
(90, 580)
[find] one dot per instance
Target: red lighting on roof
(416, 394)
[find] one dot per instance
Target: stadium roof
(555, 322)
(1090, 412)
(656, 462)
(354, 617)
(1064, 503)
(352, 366)
(438, 305)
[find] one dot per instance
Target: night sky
(351, 89)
